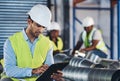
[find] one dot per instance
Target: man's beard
(36, 34)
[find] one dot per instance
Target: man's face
(88, 29)
(36, 29)
(54, 33)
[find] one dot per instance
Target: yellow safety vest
(88, 41)
(59, 46)
(23, 53)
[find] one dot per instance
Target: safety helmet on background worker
(87, 21)
(41, 15)
(54, 26)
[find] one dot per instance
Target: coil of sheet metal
(93, 57)
(109, 63)
(81, 62)
(90, 74)
(61, 57)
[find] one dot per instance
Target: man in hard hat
(92, 39)
(28, 54)
(53, 35)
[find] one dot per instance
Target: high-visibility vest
(24, 56)
(59, 44)
(88, 40)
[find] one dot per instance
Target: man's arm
(92, 47)
(49, 61)
(49, 58)
(77, 47)
(10, 66)
(96, 38)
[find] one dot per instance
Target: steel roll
(60, 57)
(93, 57)
(76, 73)
(80, 62)
(90, 74)
(109, 63)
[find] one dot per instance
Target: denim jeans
(98, 52)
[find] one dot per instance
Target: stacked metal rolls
(81, 69)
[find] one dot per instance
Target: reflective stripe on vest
(23, 53)
(88, 41)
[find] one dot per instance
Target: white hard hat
(41, 15)
(88, 21)
(54, 26)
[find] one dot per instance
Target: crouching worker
(92, 39)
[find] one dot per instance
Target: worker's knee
(99, 53)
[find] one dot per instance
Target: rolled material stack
(90, 74)
(82, 69)
(110, 64)
(80, 62)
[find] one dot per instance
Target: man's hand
(83, 50)
(57, 76)
(40, 69)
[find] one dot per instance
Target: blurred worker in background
(28, 53)
(92, 39)
(53, 35)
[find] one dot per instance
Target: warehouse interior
(69, 14)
